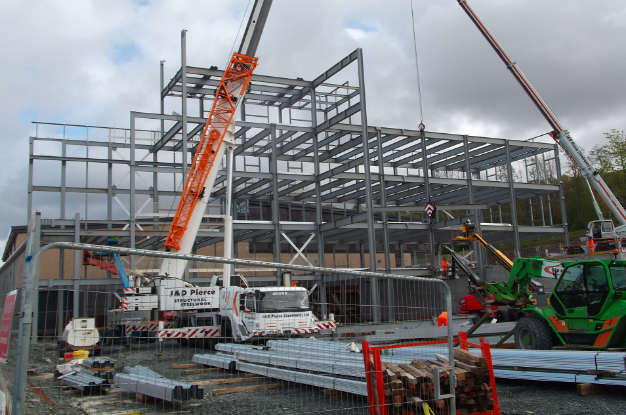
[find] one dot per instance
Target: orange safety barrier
(376, 398)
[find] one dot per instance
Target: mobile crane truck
(233, 311)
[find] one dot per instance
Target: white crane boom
(560, 134)
(183, 232)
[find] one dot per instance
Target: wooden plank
(200, 371)
(43, 376)
(468, 367)
(248, 388)
(227, 381)
(419, 374)
(470, 358)
(187, 366)
(590, 389)
(461, 374)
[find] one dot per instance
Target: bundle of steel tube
(221, 360)
(97, 363)
(565, 377)
(144, 381)
(83, 381)
(333, 359)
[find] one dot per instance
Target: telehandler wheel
(533, 334)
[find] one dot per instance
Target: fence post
(29, 292)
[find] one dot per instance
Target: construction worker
(591, 246)
(443, 319)
(444, 265)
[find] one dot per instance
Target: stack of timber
(473, 390)
(409, 386)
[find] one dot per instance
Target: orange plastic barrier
(374, 375)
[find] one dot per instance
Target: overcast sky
(91, 62)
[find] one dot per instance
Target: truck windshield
(618, 276)
(282, 301)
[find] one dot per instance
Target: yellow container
(81, 354)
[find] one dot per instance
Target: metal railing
(346, 293)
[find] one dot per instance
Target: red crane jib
(240, 69)
(105, 265)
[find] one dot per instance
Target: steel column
(63, 177)
(275, 202)
(110, 185)
(468, 172)
(183, 68)
(509, 170)
(383, 202)
(318, 203)
(29, 203)
(131, 208)
(36, 242)
(564, 222)
(76, 279)
(426, 169)
(371, 234)
(61, 295)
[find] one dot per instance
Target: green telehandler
(587, 308)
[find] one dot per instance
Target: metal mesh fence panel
(287, 339)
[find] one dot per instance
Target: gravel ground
(551, 398)
(516, 397)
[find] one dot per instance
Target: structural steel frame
(302, 146)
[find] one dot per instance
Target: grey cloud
(60, 63)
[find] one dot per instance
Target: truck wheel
(533, 334)
(227, 332)
(106, 337)
(210, 343)
(62, 348)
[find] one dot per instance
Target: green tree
(616, 149)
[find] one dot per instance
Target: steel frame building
(308, 166)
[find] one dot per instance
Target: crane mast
(217, 136)
(560, 134)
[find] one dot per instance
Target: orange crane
(230, 90)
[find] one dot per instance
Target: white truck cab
(601, 229)
(268, 312)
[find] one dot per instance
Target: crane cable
(417, 71)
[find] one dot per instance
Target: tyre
(520, 315)
(210, 343)
(106, 337)
(62, 348)
(227, 332)
(502, 316)
(533, 334)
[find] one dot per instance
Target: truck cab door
(249, 309)
(580, 293)
(569, 297)
(597, 286)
